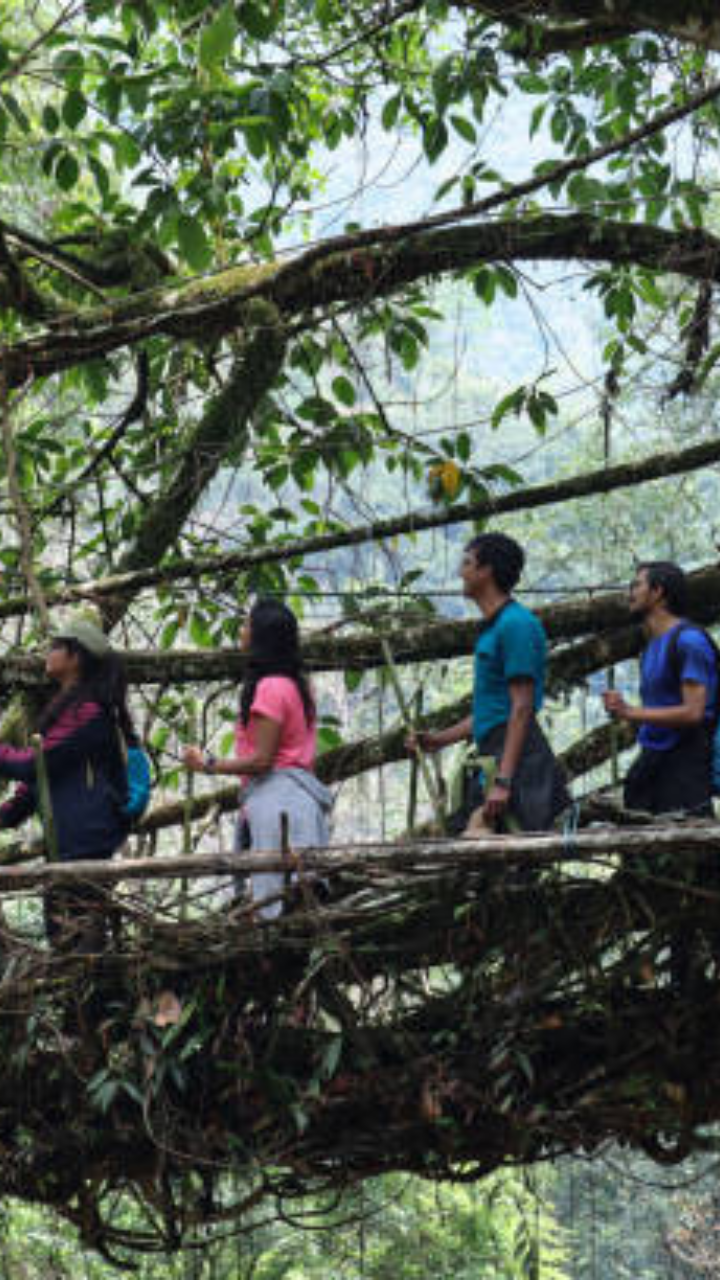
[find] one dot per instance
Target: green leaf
(14, 109)
(328, 737)
(435, 138)
(100, 174)
(127, 151)
(331, 1057)
(464, 128)
(326, 12)
(536, 118)
(200, 632)
(279, 110)
(511, 403)
(193, 242)
(507, 281)
(217, 39)
(67, 171)
(484, 285)
(344, 391)
(500, 471)
(259, 23)
(390, 112)
(532, 83)
(74, 108)
(69, 63)
(50, 119)
(463, 446)
(169, 634)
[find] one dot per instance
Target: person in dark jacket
(82, 730)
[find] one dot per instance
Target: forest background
(297, 295)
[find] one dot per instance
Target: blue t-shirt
(511, 646)
(660, 687)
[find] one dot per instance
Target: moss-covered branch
(225, 425)
(368, 265)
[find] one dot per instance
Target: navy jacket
(88, 782)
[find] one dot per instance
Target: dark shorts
(539, 792)
(674, 781)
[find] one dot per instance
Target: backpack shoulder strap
(673, 657)
(683, 626)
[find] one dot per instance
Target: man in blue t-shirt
(679, 699)
(508, 691)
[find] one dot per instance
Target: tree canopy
(187, 290)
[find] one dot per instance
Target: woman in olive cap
(82, 730)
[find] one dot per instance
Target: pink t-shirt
(278, 698)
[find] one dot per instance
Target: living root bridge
(450, 1008)
(428, 857)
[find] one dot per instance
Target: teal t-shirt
(511, 646)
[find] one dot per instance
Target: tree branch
(604, 480)
(694, 21)
(225, 423)
(308, 285)
(528, 849)
(426, 642)
(23, 518)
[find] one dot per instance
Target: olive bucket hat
(87, 634)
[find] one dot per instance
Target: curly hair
(503, 554)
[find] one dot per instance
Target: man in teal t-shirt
(508, 690)
(511, 647)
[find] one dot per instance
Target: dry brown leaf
(168, 1009)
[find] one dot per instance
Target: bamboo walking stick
(431, 782)
(44, 799)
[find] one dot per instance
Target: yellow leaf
(450, 478)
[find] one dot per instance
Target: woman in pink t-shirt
(275, 744)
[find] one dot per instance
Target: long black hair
(102, 680)
(274, 651)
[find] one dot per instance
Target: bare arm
(436, 739)
(521, 693)
(267, 740)
(689, 712)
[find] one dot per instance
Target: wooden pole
(413, 780)
(649, 843)
(45, 799)
(431, 782)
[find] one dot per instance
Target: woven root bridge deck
(450, 1007)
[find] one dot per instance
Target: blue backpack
(138, 774)
(139, 782)
(138, 778)
(674, 661)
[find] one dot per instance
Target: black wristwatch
(502, 781)
(209, 762)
